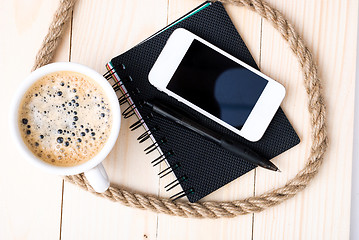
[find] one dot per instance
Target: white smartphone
(216, 84)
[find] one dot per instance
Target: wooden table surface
(37, 205)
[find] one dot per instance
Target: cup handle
(98, 178)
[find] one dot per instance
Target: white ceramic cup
(93, 168)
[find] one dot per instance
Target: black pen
(237, 148)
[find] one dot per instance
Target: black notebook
(199, 165)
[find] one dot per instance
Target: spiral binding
(168, 170)
(155, 145)
(140, 122)
(124, 98)
(146, 135)
(111, 70)
(182, 194)
(161, 158)
(119, 85)
(175, 182)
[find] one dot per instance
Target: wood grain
(118, 26)
(326, 202)
(248, 24)
(30, 200)
(35, 205)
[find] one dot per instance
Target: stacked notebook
(199, 165)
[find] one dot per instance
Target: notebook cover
(206, 165)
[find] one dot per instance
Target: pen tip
(278, 170)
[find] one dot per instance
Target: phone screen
(217, 84)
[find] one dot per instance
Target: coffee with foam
(65, 118)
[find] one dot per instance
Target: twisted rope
(54, 34)
(212, 209)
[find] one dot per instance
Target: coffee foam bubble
(65, 118)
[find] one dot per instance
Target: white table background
(36, 205)
(354, 218)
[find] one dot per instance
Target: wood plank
(101, 32)
(30, 203)
(248, 25)
(322, 211)
(30, 206)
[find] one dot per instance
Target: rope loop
(213, 209)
